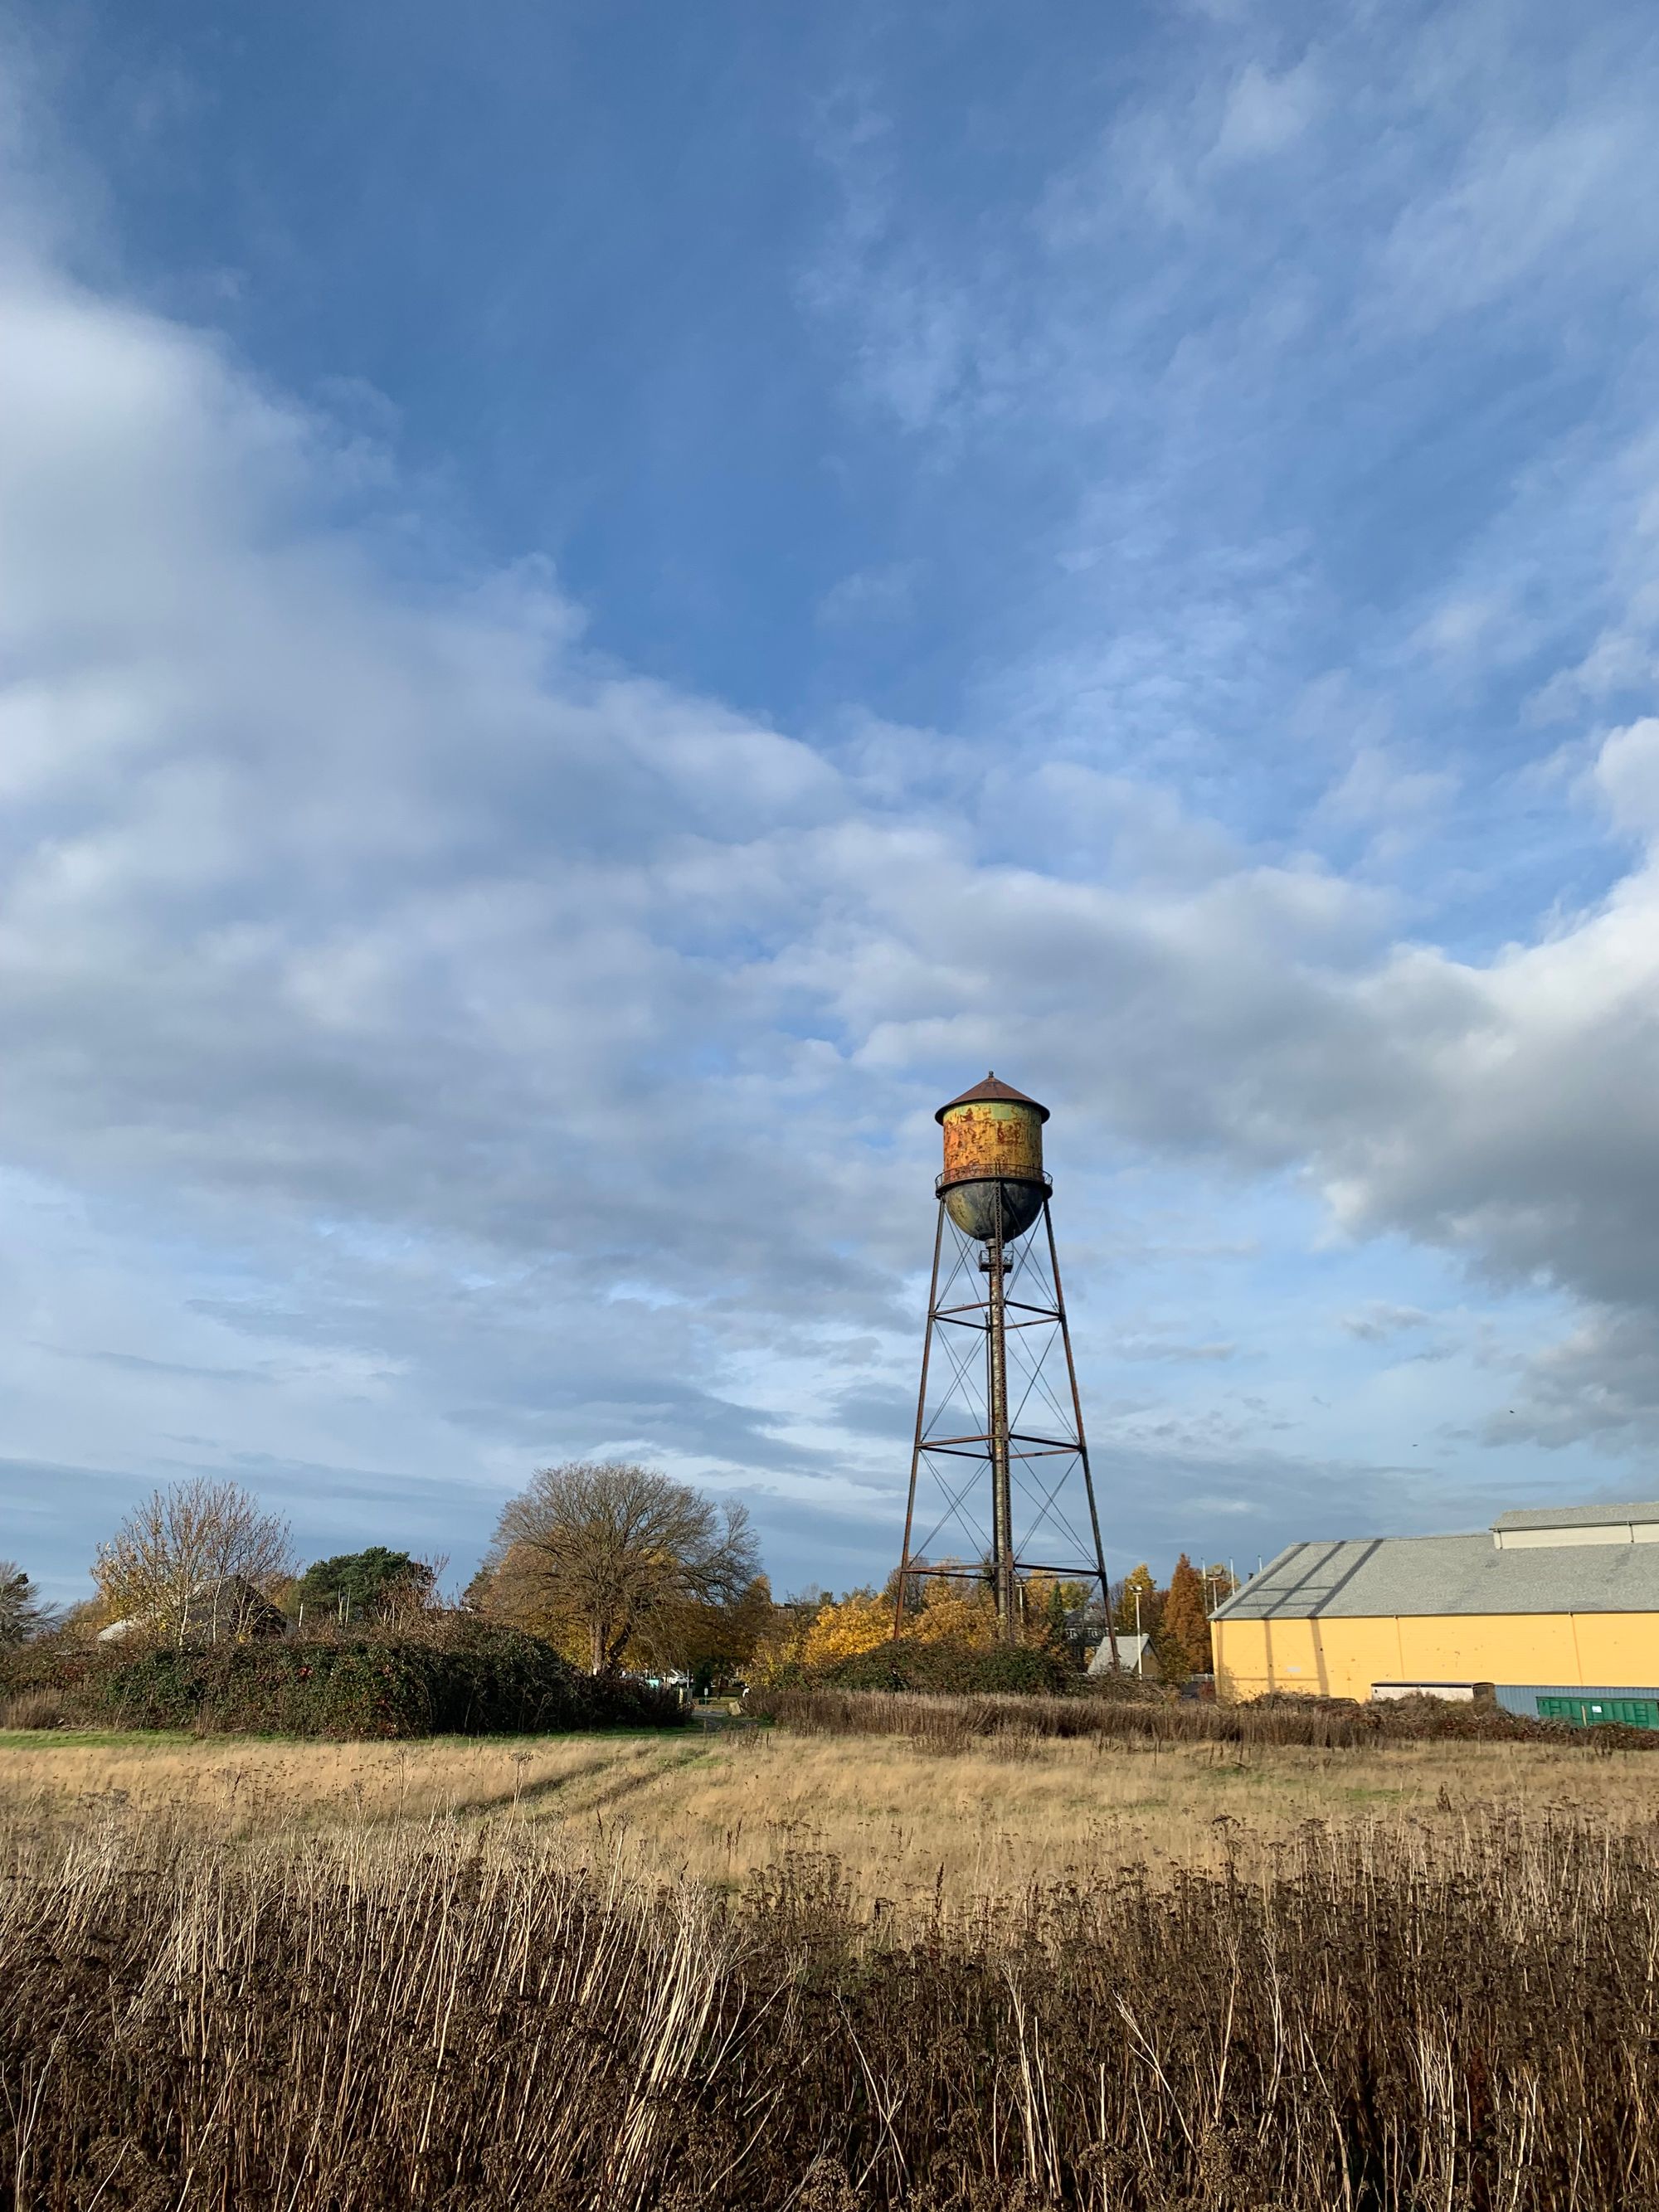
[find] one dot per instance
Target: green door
(1590, 1712)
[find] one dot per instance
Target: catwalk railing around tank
(950, 1181)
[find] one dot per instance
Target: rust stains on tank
(989, 1089)
(995, 1138)
(993, 1160)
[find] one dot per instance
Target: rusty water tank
(993, 1160)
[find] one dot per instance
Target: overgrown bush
(963, 1669)
(63, 1665)
(1427, 1719)
(462, 1677)
(946, 1723)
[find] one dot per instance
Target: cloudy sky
(600, 605)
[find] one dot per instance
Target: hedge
(910, 1664)
(476, 1678)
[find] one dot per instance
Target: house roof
(1377, 1577)
(1578, 1516)
(1130, 1648)
(990, 1088)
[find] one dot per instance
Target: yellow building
(1557, 1609)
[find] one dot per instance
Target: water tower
(1000, 1466)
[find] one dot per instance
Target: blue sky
(600, 605)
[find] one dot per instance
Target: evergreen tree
(369, 1585)
(1184, 1628)
(1059, 1628)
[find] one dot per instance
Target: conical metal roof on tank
(990, 1088)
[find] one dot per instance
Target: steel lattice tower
(1000, 1456)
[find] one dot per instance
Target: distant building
(1557, 1609)
(1135, 1656)
(226, 1610)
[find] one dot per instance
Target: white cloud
(361, 909)
(409, 978)
(1378, 1323)
(878, 594)
(1521, 198)
(1264, 113)
(1626, 771)
(1395, 803)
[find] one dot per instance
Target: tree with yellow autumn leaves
(941, 1610)
(616, 1563)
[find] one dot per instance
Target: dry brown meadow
(763, 1971)
(909, 1826)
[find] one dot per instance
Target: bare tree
(23, 1614)
(596, 1551)
(193, 1534)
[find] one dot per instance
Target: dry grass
(908, 1826)
(440, 2019)
(769, 1972)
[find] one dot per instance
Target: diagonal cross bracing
(1015, 1314)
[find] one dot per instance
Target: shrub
(1419, 1719)
(912, 1663)
(947, 1723)
(471, 1678)
(61, 1662)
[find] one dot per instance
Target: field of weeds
(955, 1722)
(444, 2017)
(911, 1821)
(827, 1972)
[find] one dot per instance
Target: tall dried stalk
(434, 2019)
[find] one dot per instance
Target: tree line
(1175, 1618)
(819, 1634)
(619, 1567)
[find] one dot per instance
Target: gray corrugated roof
(1578, 1517)
(1375, 1577)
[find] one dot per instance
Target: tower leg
(1082, 1442)
(921, 1415)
